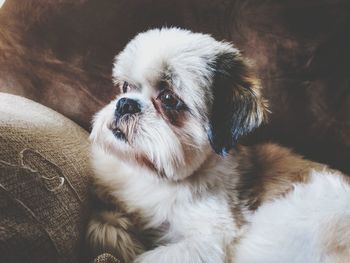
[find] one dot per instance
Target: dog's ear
(237, 106)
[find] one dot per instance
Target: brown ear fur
(238, 107)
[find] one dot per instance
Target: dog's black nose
(127, 106)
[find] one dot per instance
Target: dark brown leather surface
(60, 53)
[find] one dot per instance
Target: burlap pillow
(44, 175)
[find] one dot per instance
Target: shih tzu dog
(179, 188)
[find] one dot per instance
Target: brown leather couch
(60, 53)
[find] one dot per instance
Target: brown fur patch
(269, 171)
(238, 216)
(238, 107)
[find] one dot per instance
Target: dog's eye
(169, 99)
(126, 87)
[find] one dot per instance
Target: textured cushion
(43, 183)
(106, 258)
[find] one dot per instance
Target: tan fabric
(43, 183)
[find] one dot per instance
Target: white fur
(297, 228)
(200, 229)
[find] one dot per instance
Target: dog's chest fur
(220, 195)
(197, 205)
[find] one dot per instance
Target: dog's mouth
(119, 134)
(117, 131)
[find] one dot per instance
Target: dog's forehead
(163, 53)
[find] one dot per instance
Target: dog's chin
(117, 144)
(122, 146)
(118, 132)
(123, 129)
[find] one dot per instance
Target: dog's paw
(112, 232)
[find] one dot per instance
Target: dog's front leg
(112, 231)
(189, 250)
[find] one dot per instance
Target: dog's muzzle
(126, 106)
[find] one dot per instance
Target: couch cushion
(44, 175)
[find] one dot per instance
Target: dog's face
(182, 95)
